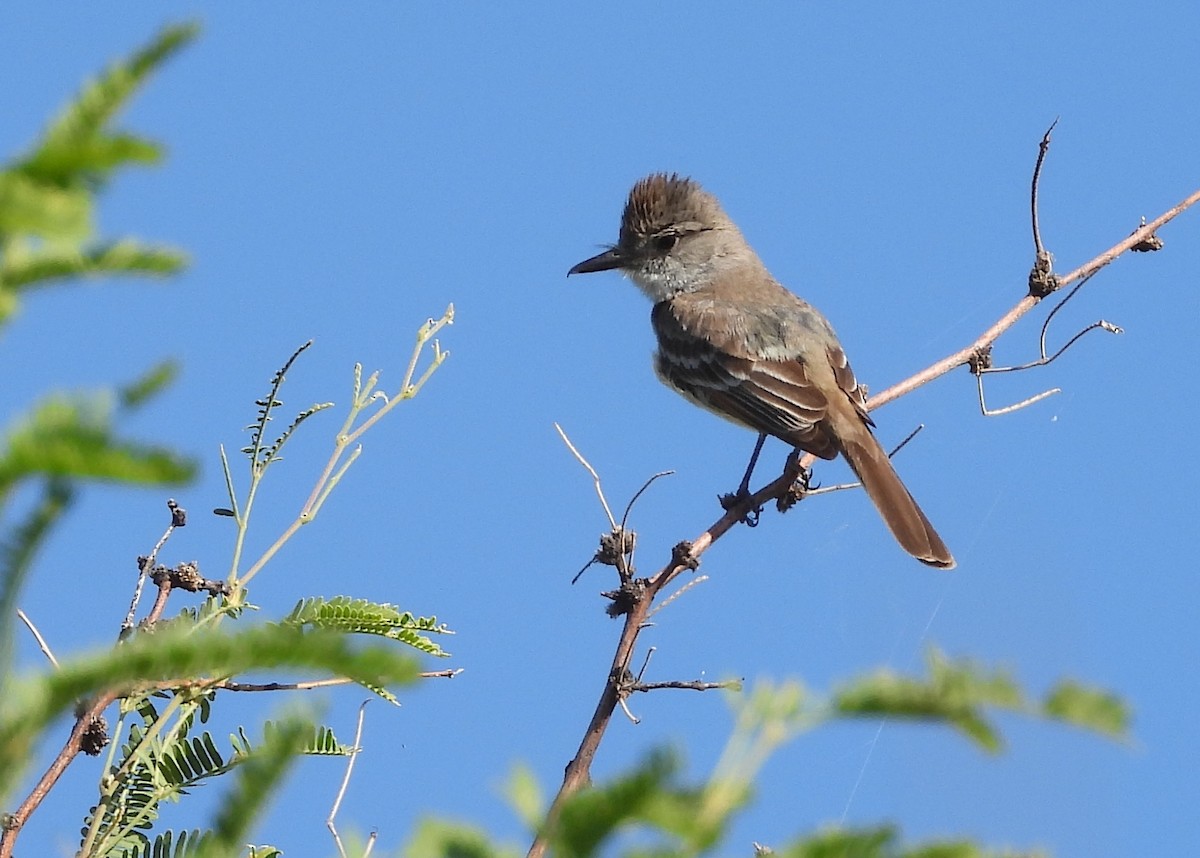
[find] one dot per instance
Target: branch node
(980, 360)
(625, 597)
(1149, 244)
(178, 513)
(1042, 279)
(94, 737)
(681, 555)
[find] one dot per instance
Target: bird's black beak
(605, 261)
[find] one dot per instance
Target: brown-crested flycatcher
(734, 341)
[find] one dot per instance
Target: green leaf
(525, 795)
(256, 782)
(321, 742)
(883, 842)
(28, 705)
(29, 207)
(955, 693)
(89, 157)
(360, 616)
(69, 149)
(1090, 708)
(128, 257)
(878, 842)
(590, 817)
(72, 437)
(438, 839)
(151, 383)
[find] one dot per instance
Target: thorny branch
(686, 555)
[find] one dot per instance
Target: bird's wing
(704, 353)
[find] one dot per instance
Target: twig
(638, 494)
(1043, 147)
(1041, 277)
(37, 636)
(689, 685)
(841, 487)
(699, 579)
(307, 685)
(612, 522)
(1016, 406)
(963, 355)
(341, 793)
(178, 519)
(981, 365)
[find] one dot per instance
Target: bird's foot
(732, 500)
(800, 487)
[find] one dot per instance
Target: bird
(736, 342)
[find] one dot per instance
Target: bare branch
(178, 519)
(689, 685)
(638, 494)
(699, 579)
(963, 355)
(1041, 278)
(612, 522)
(37, 636)
(341, 793)
(1016, 406)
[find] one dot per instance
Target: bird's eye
(665, 242)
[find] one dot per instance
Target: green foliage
(653, 811)
(454, 840)
(884, 842)
(76, 148)
(73, 437)
(63, 441)
(321, 742)
(1083, 706)
(652, 808)
(255, 783)
(260, 453)
(47, 197)
(650, 796)
(360, 616)
(125, 257)
(959, 693)
(178, 657)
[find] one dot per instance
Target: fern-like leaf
(360, 616)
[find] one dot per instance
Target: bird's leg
(728, 501)
(744, 488)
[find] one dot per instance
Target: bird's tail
(897, 507)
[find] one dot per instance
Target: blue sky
(343, 175)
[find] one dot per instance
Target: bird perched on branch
(734, 341)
